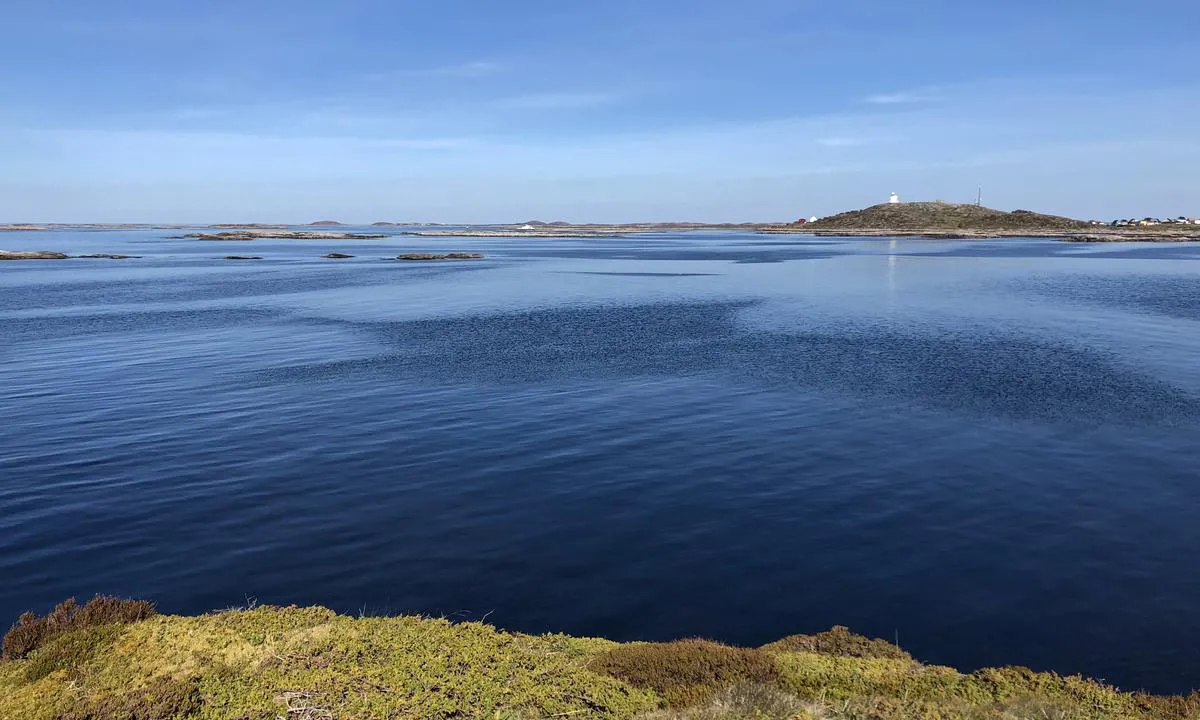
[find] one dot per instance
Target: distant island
(963, 221)
(935, 216)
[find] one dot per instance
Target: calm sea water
(989, 450)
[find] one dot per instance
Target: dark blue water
(989, 450)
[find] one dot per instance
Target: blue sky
(474, 111)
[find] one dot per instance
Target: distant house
(801, 221)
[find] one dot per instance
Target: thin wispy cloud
(899, 98)
(472, 69)
(844, 142)
(467, 70)
(558, 100)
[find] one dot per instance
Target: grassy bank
(119, 661)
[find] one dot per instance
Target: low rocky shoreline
(263, 234)
(440, 256)
(32, 255)
(51, 255)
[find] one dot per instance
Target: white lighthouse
(894, 199)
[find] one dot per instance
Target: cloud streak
(558, 101)
(472, 69)
(899, 98)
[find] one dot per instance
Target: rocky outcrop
(336, 256)
(280, 235)
(32, 255)
(437, 256)
(1119, 237)
(242, 226)
(243, 257)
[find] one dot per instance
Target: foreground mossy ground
(312, 664)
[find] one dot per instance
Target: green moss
(887, 688)
(70, 652)
(270, 662)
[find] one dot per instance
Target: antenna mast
(979, 197)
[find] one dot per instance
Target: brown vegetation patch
(165, 698)
(31, 631)
(686, 672)
(839, 641)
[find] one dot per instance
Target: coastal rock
(279, 235)
(32, 255)
(21, 226)
(243, 257)
(246, 226)
(336, 256)
(436, 256)
(1118, 237)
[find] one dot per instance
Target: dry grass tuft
(748, 701)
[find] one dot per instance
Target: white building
(894, 199)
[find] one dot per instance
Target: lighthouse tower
(894, 199)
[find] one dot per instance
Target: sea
(985, 451)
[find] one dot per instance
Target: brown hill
(936, 216)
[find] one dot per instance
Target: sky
(605, 111)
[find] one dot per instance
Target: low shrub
(31, 631)
(839, 641)
(1173, 707)
(686, 673)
